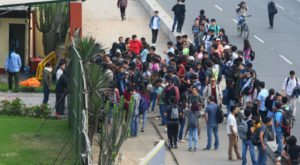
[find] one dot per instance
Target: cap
(227, 47)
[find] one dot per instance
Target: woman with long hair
(247, 51)
(144, 105)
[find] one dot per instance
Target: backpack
(144, 105)
(243, 129)
(252, 55)
(269, 103)
(123, 3)
(215, 74)
(169, 91)
(193, 119)
(286, 121)
(270, 134)
(225, 99)
(219, 116)
(255, 137)
(174, 113)
(288, 79)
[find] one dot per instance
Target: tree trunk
(92, 127)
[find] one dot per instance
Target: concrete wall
(4, 39)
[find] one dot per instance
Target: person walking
(247, 143)
(135, 114)
(122, 4)
(173, 112)
(160, 101)
(212, 125)
(261, 98)
(181, 16)
(213, 89)
(47, 82)
(262, 147)
(155, 26)
(176, 10)
(272, 10)
(193, 124)
(232, 134)
(289, 85)
(61, 89)
(278, 122)
(13, 65)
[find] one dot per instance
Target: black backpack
(255, 137)
(287, 120)
(269, 103)
(219, 116)
(252, 55)
(168, 93)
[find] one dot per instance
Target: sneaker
(142, 130)
(206, 149)
(190, 149)
(175, 146)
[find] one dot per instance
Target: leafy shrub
(39, 111)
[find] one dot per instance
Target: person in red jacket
(135, 45)
(122, 4)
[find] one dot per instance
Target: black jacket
(179, 10)
(272, 8)
(62, 84)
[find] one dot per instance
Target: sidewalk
(30, 99)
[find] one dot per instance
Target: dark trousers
(180, 24)
(175, 23)
(122, 9)
(16, 77)
(154, 35)
(263, 115)
(60, 103)
(46, 94)
(271, 19)
(173, 134)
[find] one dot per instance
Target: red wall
(75, 17)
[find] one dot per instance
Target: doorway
(17, 39)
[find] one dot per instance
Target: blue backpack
(144, 104)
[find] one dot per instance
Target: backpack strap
(287, 82)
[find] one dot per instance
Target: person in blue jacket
(155, 26)
(13, 65)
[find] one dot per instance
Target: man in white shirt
(155, 26)
(289, 84)
(233, 134)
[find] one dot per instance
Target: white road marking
(285, 59)
(260, 40)
(218, 7)
(234, 20)
(282, 8)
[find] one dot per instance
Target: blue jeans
(175, 23)
(46, 94)
(162, 110)
(196, 42)
(134, 125)
(193, 136)
(210, 129)
(246, 144)
(153, 97)
(231, 103)
(262, 155)
(144, 118)
(279, 141)
(241, 18)
(181, 130)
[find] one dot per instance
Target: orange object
(32, 82)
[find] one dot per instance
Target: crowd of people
(185, 84)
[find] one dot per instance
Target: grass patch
(4, 88)
(19, 145)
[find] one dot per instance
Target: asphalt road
(276, 49)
